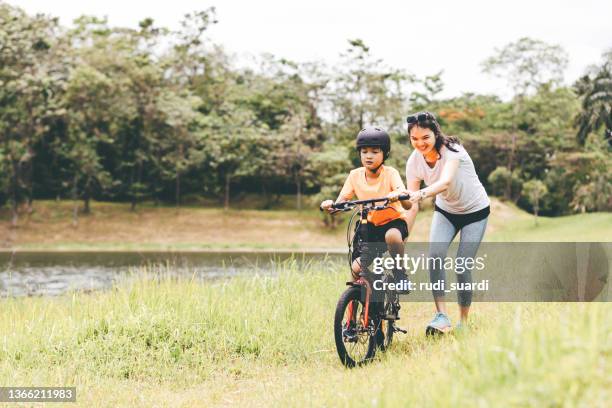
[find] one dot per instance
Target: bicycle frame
(366, 205)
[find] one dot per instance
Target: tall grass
(170, 328)
(262, 340)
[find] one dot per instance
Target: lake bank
(112, 227)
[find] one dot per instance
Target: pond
(53, 273)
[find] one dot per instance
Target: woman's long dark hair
(432, 124)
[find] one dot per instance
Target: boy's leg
(395, 244)
(355, 255)
(356, 268)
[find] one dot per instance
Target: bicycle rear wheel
(355, 343)
(384, 334)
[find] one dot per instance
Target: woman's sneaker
(439, 325)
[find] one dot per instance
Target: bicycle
(365, 325)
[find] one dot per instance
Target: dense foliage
(151, 114)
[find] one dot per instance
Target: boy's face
(371, 157)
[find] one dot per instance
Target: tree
(432, 86)
(31, 75)
(144, 86)
(182, 143)
(593, 190)
(3, 179)
(231, 141)
(468, 113)
(332, 164)
(188, 62)
(526, 64)
(126, 114)
(595, 92)
(500, 177)
(366, 92)
(294, 153)
(300, 133)
(88, 114)
(535, 190)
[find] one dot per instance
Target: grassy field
(267, 341)
(263, 341)
(113, 227)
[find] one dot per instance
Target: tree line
(113, 113)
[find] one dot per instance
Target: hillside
(112, 226)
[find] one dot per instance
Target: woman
(461, 204)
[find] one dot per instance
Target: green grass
(267, 341)
(594, 227)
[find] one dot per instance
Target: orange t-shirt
(387, 181)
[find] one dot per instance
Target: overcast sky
(421, 37)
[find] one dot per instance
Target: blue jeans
(442, 234)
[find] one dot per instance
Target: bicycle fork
(365, 319)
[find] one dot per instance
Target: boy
(375, 180)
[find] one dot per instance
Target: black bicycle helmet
(374, 137)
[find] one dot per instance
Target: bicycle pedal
(399, 329)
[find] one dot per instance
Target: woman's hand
(416, 196)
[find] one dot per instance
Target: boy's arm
(346, 194)
(347, 191)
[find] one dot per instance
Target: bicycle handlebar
(349, 205)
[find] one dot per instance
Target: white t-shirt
(465, 194)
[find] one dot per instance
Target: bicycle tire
(384, 335)
(352, 294)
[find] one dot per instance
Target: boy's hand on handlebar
(327, 206)
(394, 196)
(397, 194)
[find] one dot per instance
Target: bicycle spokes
(356, 337)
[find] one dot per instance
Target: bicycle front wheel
(355, 343)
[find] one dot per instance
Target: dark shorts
(461, 220)
(377, 234)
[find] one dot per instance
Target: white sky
(421, 37)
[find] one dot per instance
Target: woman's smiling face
(422, 139)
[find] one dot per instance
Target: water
(53, 273)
